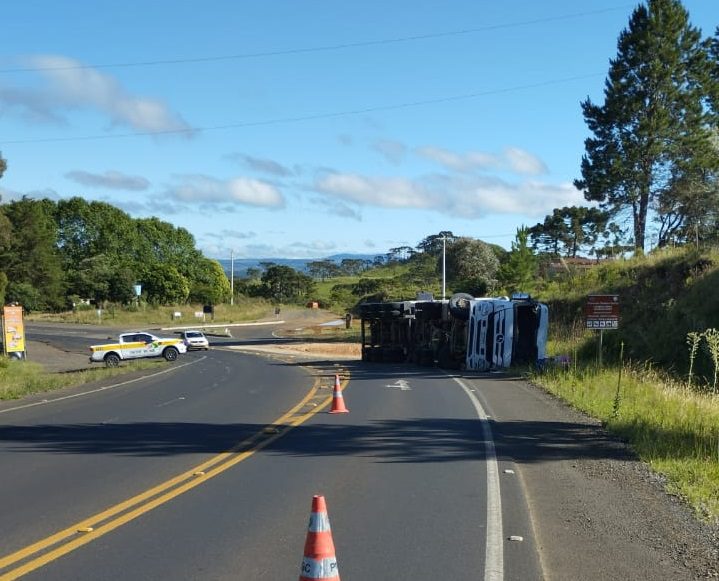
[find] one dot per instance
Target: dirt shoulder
(56, 360)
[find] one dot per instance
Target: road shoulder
(598, 512)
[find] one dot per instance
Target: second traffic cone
(319, 560)
(338, 400)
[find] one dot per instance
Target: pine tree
(652, 148)
(519, 271)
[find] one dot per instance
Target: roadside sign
(602, 312)
(13, 330)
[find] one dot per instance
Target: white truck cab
(503, 331)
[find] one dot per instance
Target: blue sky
(308, 128)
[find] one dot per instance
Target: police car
(136, 345)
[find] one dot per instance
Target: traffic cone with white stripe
(338, 400)
(319, 561)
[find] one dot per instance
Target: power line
(332, 47)
(299, 118)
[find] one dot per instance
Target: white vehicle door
(135, 346)
(503, 335)
(151, 346)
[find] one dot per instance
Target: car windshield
(193, 335)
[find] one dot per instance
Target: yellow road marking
(91, 528)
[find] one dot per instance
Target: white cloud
(464, 196)
(466, 162)
(71, 86)
(338, 208)
(393, 151)
(381, 192)
(267, 166)
(524, 163)
(110, 179)
(223, 234)
(245, 191)
(33, 106)
(512, 159)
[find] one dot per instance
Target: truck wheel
(170, 354)
(459, 305)
(112, 360)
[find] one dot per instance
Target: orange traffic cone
(319, 561)
(338, 400)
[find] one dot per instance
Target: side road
(57, 360)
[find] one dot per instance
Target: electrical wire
(326, 48)
(283, 120)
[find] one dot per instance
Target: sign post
(601, 312)
(13, 332)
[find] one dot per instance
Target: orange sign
(13, 330)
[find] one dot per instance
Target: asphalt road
(419, 483)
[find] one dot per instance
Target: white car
(195, 340)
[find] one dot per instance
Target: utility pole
(232, 277)
(444, 266)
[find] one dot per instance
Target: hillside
(663, 297)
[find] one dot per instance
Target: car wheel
(112, 360)
(170, 354)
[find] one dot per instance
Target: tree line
(53, 255)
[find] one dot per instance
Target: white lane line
(99, 389)
(494, 550)
(175, 400)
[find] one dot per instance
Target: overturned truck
(464, 332)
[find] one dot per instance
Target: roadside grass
(22, 378)
(673, 428)
(146, 316)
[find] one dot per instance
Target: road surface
(207, 470)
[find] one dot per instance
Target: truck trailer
(464, 332)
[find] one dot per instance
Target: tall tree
(211, 285)
(32, 258)
(572, 229)
(471, 266)
(163, 284)
(654, 113)
(519, 270)
(435, 243)
(284, 283)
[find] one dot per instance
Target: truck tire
(112, 360)
(459, 305)
(170, 353)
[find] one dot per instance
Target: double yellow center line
(48, 549)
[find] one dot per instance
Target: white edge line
(99, 389)
(494, 551)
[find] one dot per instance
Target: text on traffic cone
(319, 560)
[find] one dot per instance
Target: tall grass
(672, 427)
(21, 378)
